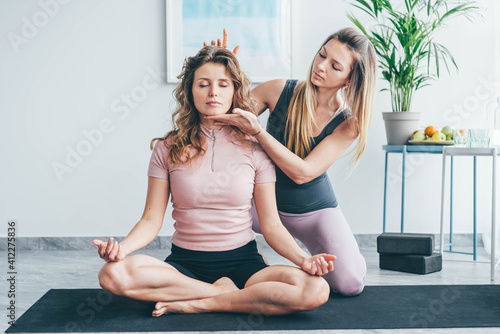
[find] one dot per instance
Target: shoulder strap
(276, 122)
(285, 97)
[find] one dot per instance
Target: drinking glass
(460, 137)
(479, 137)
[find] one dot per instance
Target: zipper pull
(213, 148)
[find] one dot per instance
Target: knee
(351, 289)
(111, 278)
(349, 286)
(107, 277)
(316, 292)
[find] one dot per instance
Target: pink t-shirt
(212, 197)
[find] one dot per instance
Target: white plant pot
(399, 126)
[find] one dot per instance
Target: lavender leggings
(327, 231)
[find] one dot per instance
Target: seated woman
(212, 173)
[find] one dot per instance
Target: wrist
(303, 261)
(124, 249)
(255, 133)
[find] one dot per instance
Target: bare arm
(267, 94)
(146, 229)
(278, 237)
(152, 218)
(299, 170)
(316, 162)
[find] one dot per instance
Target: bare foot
(184, 306)
(225, 285)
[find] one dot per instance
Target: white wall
(94, 64)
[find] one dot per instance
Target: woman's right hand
(242, 119)
(110, 251)
(319, 264)
(224, 42)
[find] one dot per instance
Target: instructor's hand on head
(109, 251)
(320, 264)
(223, 43)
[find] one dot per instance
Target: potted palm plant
(408, 56)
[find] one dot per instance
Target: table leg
(443, 183)
(451, 204)
(403, 190)
(475, 210)
(493, 215)
(385, 190)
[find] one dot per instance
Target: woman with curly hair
(212, 173)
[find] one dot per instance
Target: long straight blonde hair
(358, 97)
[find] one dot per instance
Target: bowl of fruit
(432, 136)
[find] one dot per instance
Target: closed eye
(333, 66)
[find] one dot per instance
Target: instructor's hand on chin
(109, 251)
(320, 264)
(244, 120)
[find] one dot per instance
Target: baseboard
(164, 242)
(459, 239)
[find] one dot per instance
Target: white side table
(473, 152)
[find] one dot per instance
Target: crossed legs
(144, 277)
(273, 290)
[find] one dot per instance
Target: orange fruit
(431, 130)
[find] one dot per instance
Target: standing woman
(311, 125)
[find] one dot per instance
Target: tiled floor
(39, 271)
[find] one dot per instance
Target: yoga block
(417, 264)
(405, 243)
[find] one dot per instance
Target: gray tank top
(311, 196)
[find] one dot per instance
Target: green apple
(439, 136)
(449, 137)
(418, 135)
(447, 131)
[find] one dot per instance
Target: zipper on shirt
(213, 148)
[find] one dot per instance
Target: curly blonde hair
(186, 135)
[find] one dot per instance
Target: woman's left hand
(244, 120)
(223, 43)
(319, 264)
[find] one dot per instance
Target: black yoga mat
(377, 307)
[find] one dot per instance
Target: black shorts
(238, 264)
